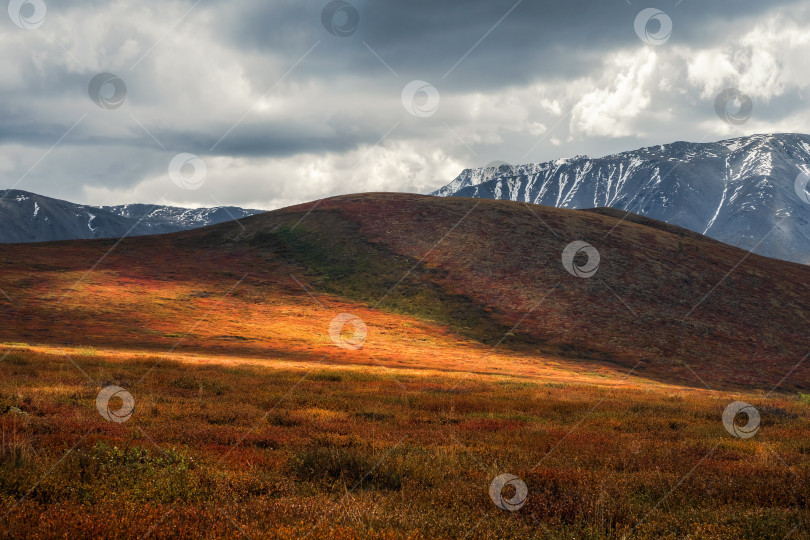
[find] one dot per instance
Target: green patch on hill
(339, 260)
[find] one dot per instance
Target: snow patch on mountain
(28, 217)
(739, 191)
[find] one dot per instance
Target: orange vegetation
(482, 356)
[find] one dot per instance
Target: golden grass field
(250, 420)
(227, 447)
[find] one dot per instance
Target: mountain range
(743, 191)
(28, 217)
(746, 192)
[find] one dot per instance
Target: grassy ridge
(664, 302)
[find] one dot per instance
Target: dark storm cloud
(264, 87)
(554, 39)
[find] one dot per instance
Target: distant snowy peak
(740, 191)
(182, 218)
(28, 217)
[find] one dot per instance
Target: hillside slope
(454, 272)
(739, 191)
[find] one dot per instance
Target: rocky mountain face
(27, 217)
(748, 192)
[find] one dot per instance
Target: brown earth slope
(667, 303)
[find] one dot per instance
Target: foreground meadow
(221, 447)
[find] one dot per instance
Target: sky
(269, 103)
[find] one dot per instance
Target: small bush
(201, 385)
(15, 359)
(373, 416)
(91, 474)
(15, 451)
(345, 467)
(329, 376)
(282, 419)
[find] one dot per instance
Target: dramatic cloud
(284, 108)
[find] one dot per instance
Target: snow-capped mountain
(747, 192)
(28, 217)
(173, 218)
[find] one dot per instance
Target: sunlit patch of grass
(14, 345)
(365, 271)
(86, 351)
(515, 384)
(319, 413)
(414, 450)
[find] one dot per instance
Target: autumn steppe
(483, 356)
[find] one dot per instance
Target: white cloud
(613, 106)
(269, 183)
(764, 62)
(710, 70)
